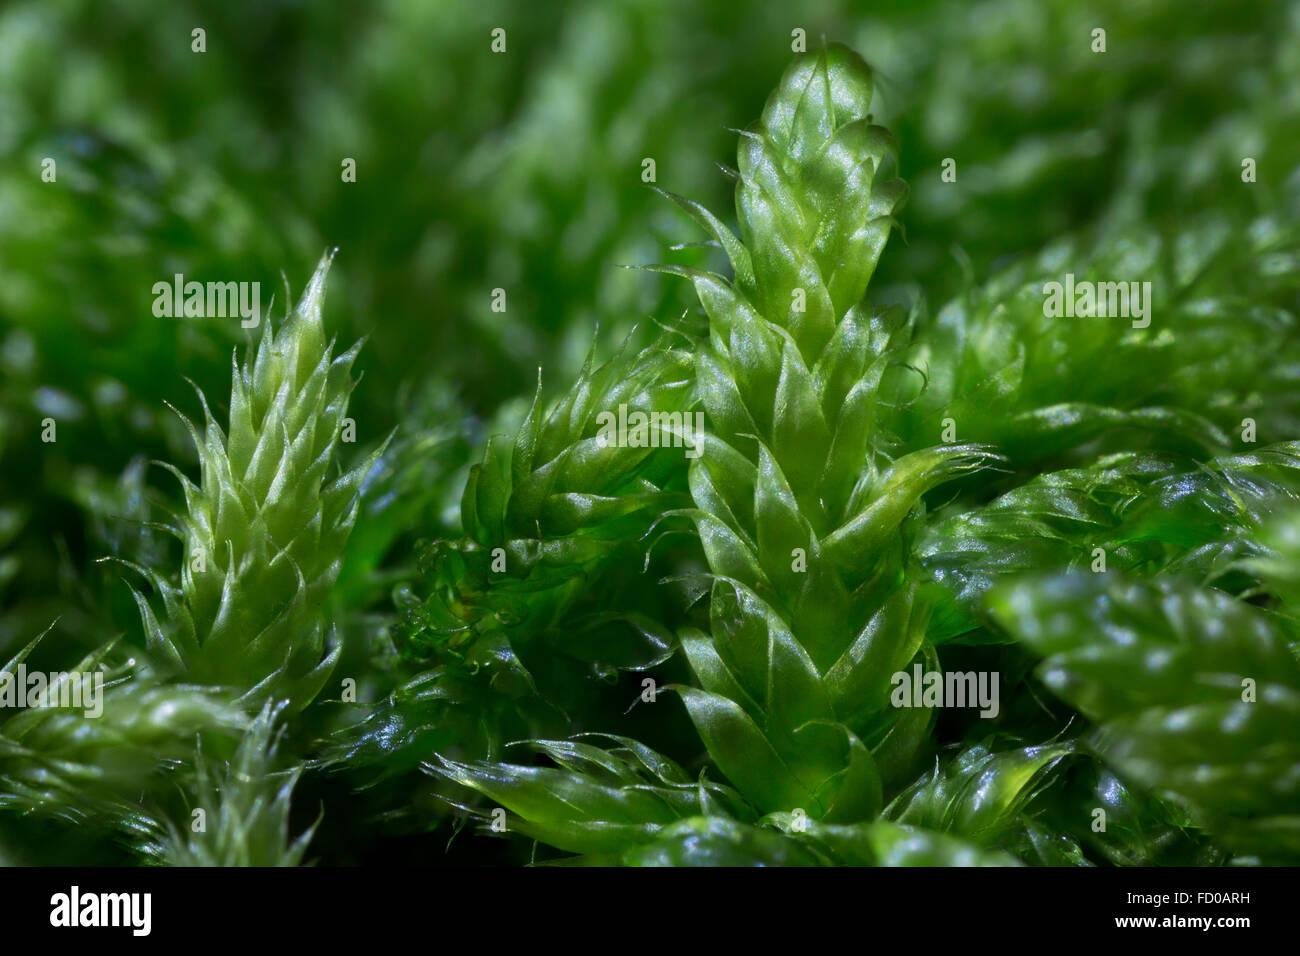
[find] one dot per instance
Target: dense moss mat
(405, 599)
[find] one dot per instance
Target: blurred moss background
(519, 170)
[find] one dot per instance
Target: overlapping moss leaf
(264, 529)
(1195, 695)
